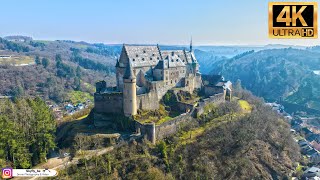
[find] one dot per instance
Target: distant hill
(208, 55)
(18, 38)
(57, 68)
(276, 74)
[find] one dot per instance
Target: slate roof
(174, 60)
(141, 56)
(212, 80)
(182, 55)
(129, 74)
(162, 64)
(312, 172)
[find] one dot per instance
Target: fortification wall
(210, 91)
(148, 101)
(156, 132)
(184, 107)
(108, 102)
(217, 98)
(171, 127)
(147, 130)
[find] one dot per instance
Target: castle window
(171, 60)
(137, 55)
(177, 60)
(151, 58)
(142, 59)
(153, 54)
(133, 59)
(171, 81)
(144, 51)
(172, 53)
(158, 58)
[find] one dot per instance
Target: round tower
(129, 92)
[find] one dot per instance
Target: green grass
(190, 136)
(299, 168)
(245, 105)
(162, 120)
(90, 87)
(82, 117)
(18, 60)
(79, 96)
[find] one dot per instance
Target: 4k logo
(293, 20)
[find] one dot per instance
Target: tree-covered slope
(27, 132)
(224, 143)
(277, 73)
(59, 68)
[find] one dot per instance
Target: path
(57, 163)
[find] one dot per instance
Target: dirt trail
(61, 163)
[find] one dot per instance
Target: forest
(27, 129)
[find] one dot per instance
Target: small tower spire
(129, 74)
(191, 44)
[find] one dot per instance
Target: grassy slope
(79, 96)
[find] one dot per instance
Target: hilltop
(235, 140)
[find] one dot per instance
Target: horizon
(144, 22)
(197, 45)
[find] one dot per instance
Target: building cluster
(145, 74)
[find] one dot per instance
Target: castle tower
(129, 92)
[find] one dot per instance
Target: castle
(144, 74)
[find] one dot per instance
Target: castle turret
(129, 92)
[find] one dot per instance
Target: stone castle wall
(156, 132)
(209, 91)
(108, 103)
(168, 128)
(148, 101)
(217, 98)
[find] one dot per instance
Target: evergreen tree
(27, 130)
(78, 72)
(58, 60)
(45, 62)
(37, 60)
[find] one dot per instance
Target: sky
(209, 22)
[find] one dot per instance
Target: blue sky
(216, 22)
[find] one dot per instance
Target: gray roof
(129, 74)
(174, 59)
(141, 56)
